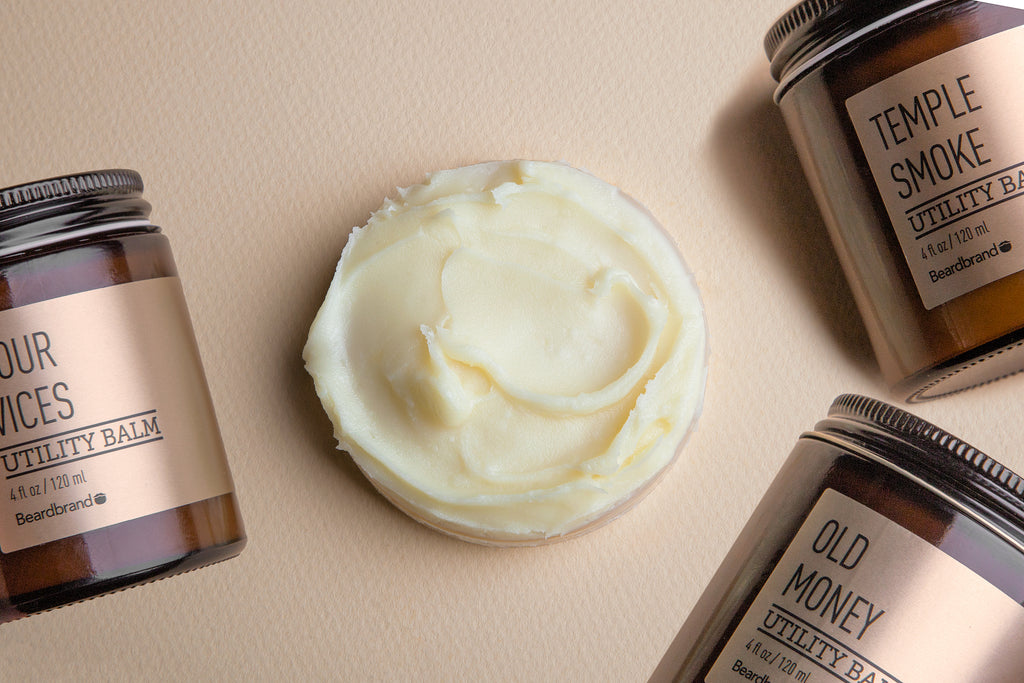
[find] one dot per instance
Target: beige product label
(946, 148)
(104, 413)
(859, 598)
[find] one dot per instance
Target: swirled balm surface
(511, 351)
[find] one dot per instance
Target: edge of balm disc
(511, 352)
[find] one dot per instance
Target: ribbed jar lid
(930, 454)
(814, 26)
(92, 184)
(46, 212)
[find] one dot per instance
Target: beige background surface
(265, 131)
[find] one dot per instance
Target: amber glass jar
(885, 549)
(113, 468)
(905, 116)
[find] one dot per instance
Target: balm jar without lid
(905, 116)
(113, 468)
(885, 546)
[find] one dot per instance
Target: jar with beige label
(112, 468)
(906, 118)
(886, 549)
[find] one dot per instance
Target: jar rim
(89, 184)
(813, 30)
(930, 455)
(70, 207)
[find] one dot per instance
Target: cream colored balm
(512, 352)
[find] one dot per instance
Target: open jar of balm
(886, 549)
(112, 466)
(906, 118)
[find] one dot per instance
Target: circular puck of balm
(511, 352)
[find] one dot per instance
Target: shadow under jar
(112, 465)
(906, 118)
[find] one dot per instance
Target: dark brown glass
(922, 353)
(831, 457)
(152, 547)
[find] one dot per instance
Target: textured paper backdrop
(265, 132)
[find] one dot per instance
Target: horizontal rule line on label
(50, 437)
(800, 653)
(825, 639)
(960, 217)
(69, 461)
(974, 182)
